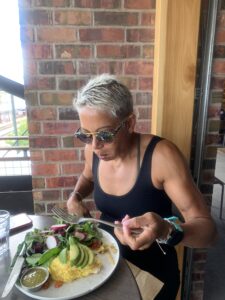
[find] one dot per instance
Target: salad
(70, 247)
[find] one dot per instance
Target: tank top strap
(147, 159)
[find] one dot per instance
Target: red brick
(140, 35)
(56, 182)
(114, 51)
(34, 127)
(61, 155)
(38, 182)
(112, 67)
(141, 4)
(101, 35)
(87, 67)
(51, 195)
(218, 66)
(67, 113)
(56, 98)
(44, 113)
(143, 98)
(145, 83)
(38, 51)
(57, 67)
(98, 3)
(148, 19)
(69, 169)
(35, 17)
(73, 17)
(73, 51)
(221, 19)
(43, 142)
(130, 82)
(44, 169)
(220, 36)
(31, 98)
(214, 111)
(115, 18)
(217, 83)
(38, 83)
(52, 3)
(57, 35)
(144, 112)
(70, 84)
(36, 155)
(58, 128)
(138, 68)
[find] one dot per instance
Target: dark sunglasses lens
(105, 136)
(85, 138)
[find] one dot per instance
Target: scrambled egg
(66, 273)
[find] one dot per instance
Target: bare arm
(83, 188)
(171, 173)
(199, 227)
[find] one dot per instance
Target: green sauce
(33, 278)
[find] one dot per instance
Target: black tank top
(143, 196)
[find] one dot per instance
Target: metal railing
(24, 150)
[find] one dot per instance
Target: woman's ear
(130, 123)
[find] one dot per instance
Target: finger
(119, 234)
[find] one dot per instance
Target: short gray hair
(106, 93)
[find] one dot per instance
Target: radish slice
(80, 235)
(58, 227)
(51, 242)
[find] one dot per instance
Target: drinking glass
(4, 231)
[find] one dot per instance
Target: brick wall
(65, 42)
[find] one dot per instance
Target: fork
(64, 215)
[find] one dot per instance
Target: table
(120, 286)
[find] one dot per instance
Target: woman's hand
(152, 225)
(75, 206)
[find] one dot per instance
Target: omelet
(66, 273)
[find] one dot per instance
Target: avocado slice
(74, 252)
(90, 255)
(82, 256)
(86, 257)
(63, 256)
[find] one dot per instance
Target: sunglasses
(103, 136)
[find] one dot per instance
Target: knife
(15, 272)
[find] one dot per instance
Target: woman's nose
(96, 144)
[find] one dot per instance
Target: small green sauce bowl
(33, 278)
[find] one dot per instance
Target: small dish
(34, 278)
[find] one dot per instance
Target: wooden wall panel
(176, 41)
(175, 59)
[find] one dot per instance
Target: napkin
(148, 284)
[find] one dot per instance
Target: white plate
(84, 285)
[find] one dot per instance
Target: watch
(175, 234)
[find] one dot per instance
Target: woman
(135, 178)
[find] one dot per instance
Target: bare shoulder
(168, 163)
